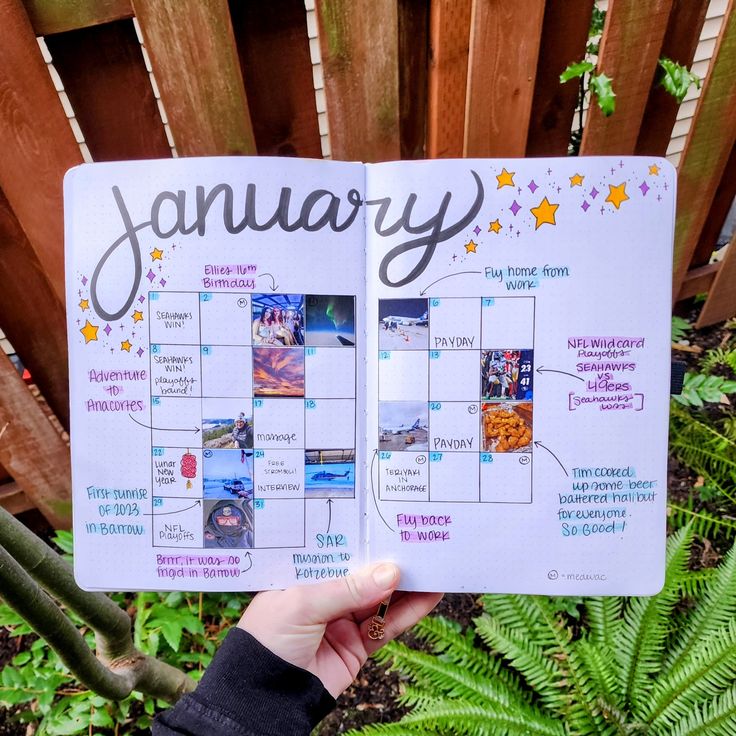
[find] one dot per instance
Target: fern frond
(440, 677)
(604, 617)
(446, 639)
(704, 524)
(694, 583)
(597, 660)
(716, 609)
(542, 673)
(450, 717)
(641, 637)
(521, 614)
(715, 718)
(710, 669)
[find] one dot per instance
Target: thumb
(336, 598)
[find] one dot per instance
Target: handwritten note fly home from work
(282, 369)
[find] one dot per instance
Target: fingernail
(384, 576)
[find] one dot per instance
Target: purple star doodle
(515, 207)
(532, 185)
(602, 209)
(141, 299)
(644, 188)
(549, 171)
(79, 292)
(79, 322)
(139, 352)
(476, 230)
(108, 330)
(584, 206)
(594, 193)
(620, 164)
(150, 275)
(84, 280)
(162, 282)
(518, 190)
(613, 171)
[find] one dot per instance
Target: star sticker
(137, 316)
(89, 331)
(471, 247)
(544, 212)
(576, 181)
(617, 194)
(495, 226)
(654, 170)
(84, 304)
(505, 178)
(157, 254)
(126, 345)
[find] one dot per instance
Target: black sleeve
(248, 691)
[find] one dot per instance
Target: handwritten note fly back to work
(294, 367)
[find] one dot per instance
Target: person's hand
(323, 628)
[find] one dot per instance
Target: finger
(325, 602)
(402, 616)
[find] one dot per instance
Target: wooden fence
(402, 79)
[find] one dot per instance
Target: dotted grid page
(519, 371)
(216, 324)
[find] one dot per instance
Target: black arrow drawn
(329, 516)
(249, 557)
(164, 429)
(274, 285)
(539, 444)
(459, 273)
(373, 493)
(542, 369)
(166, 513)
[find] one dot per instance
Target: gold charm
(376, 626)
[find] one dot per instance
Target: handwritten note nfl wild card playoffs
(282, 369)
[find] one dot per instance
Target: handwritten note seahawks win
(282, 369)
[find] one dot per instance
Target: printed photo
(228, 524)
(403, 324)
(229, 433)
(506, 374)
(507, 427)
(403, 425)
(227, 473)
(330, 321)
(278, 320)
(329, 474)
(278, 372)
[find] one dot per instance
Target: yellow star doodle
(84, 304)
(617, 194)
(126, 345)
(654, 170)
(544, 213)
(471, 247)
(505, 179)
(89, 331)
(495, 226)
(157, 254)
(137, 316)
(576, 181)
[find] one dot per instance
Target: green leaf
(575, 70)
(677, 79)
(680, 328)
(601, 86)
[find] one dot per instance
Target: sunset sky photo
(278, 371)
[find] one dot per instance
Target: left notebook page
(215, 319)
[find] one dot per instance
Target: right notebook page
(518, 351)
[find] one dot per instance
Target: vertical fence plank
(504, 49)
(707, 149)
(195, 63)
(630, 48)
(564, 38)
(413, 20)
(449, 33)
(721, 301)
(359, 42)
(277, 70)
(110, 91)
(32, 450)
(37, 143)
(680, 41)
(31, 315)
